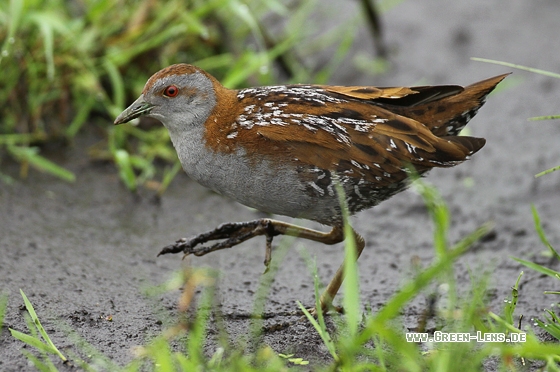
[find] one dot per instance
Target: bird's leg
(268, 252)
(237, 232)
(334, 285)
(234, 233)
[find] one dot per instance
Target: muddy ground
(87, 250)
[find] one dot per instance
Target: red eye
(171, 91)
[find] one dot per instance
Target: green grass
(38, 339)
(359, 341)
(68, 66)
(551, 324)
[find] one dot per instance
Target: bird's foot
(231, 235)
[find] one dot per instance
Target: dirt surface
(84, 251)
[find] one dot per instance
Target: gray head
(180, 96)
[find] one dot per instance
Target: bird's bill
(137, 109)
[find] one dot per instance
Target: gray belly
(269, 188)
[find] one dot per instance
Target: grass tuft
(38, 339)
(66, 67)
(551, 323)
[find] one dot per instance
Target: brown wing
(379, 151)
(324, 127)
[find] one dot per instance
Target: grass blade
(81, 117)
(549, 327)
(351, 299)
(542, 235)
(15, 13)
(319, 323)
(39, 326)
(116, 82)
(32, 341)
(168, 176)
(321, 329)
(510, 327)
(511, 305)
(537, 267)
(546, 117)
(42, 367)
(21, 138)
(553, 169)
(519, 67)
(163, 359)
(126, 172)
(29, 154)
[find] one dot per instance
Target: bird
(289, 149)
